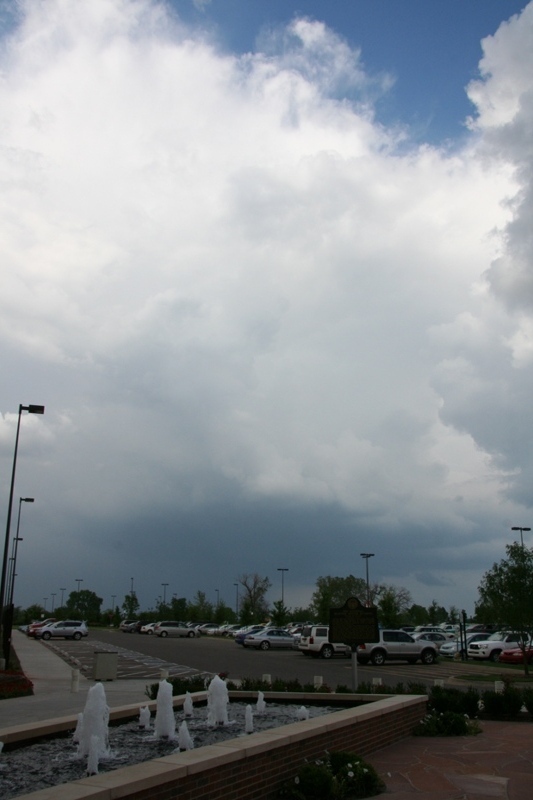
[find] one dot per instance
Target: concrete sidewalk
(53, 687)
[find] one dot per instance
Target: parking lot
(142, 657)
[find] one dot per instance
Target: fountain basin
(222, 770)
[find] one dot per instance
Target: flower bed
(13, 683)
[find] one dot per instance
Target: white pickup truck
(491, 647)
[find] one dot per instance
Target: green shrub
(443, 698)
(446, 723)
(340, 775)
(502, 705)
(527, 698)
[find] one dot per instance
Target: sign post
(353, 624)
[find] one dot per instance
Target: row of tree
(394, 605)
(505, 599)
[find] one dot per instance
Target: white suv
(314, 642)
(492, 646)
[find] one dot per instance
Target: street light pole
(78, 581)
(8, 623)
(237, 600)
(366, 556)
(218, 597)
(521, 533)
(62, 590)
(16, 540)
(283, 570)
(53, 594)
(164, 585)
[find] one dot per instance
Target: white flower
(365, 770)
(297, 779)
(350, 774)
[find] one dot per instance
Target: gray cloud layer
(264, 328)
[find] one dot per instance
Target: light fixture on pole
(7, 624)
(521, 533)
(283, 570)
(366, 556)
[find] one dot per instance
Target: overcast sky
(271, 276)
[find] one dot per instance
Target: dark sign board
(354, 623)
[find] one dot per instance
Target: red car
(34, 626)
(516, 656)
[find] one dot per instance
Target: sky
(268, 265)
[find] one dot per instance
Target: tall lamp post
(12, 572)
(78, 581)
(236, 600)
(62, 589)
(521, 533)
(283, 570)
(6, 620)
(366, 556)
(164, 585)
(53, 595)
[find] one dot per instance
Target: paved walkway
(495, 765)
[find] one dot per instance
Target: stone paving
(497, 763)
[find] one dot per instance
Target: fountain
(165, 723)
(260, 706)
(185, 741)
(93, 724)
(188, 705)
(58, 760)
(217, 702)
(144, 718)
(249, 720)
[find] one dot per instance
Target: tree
(436, 613)
(254, 607)
(333, 592)
(200, 610)
(279, 614)
(393, 605)
(506, 593)
(84, 605)
(130, 606)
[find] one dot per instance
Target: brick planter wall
(252, 767)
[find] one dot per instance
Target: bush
(446, 723)
(527, 698)
(502, 705)
(449, 699)
(340, 775)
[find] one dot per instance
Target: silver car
(172, 628)
(270, 637)
(66, 629)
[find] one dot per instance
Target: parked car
(173, 628)
(270, 637)
(230, 630)
(314, 642)
(34, 626)
(209, 627)
(433, 629)
(433, 636)
(65, 629)
(397, 645)
(244, 632)
(491, 647)
(516, 656)
(128, 625)
(453, 648)
(148, 628)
